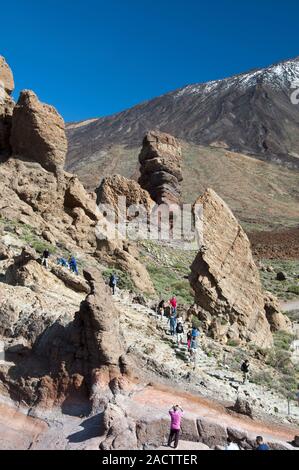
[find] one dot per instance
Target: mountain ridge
(249, 113)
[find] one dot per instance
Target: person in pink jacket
(176, 414)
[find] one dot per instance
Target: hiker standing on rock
(112, 283)
(179, 332)
(245, 370)
(45, 258)
(172, 323)
(161, 309)
(176, 414)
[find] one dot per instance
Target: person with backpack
(113, 283)
(45, 258)
(179, 332)
(176, 413)
(245, 371)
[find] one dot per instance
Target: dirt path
(162, 398)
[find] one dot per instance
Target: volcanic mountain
(250, 113)
(220, 124)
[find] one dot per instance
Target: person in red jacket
(173, 304)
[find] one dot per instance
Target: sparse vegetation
(196, 322)
(168, 269)
(285, 290)
(294, 290)
(27, 234)
(233, 343)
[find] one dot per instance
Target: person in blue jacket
(112, 283)
(194, 335)
(260, 444)
(73, 265)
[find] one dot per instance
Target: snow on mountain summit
(278, 76)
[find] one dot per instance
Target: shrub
(124, 280)
(294, 290)
(196, 323)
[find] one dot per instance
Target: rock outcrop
(98, 342)
(113, 187)
(160, 167)
(6, 105)
(225, 278)
(277, 320)
(38, 132)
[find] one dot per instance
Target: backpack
(179, 328)
(244, 367)
(112, 281)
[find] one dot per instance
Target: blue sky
(93, 58)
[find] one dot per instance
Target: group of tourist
(70, 264)
(176, 326)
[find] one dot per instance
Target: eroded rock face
(113, 187)
(160, 167)
(225, 278)
(6, 105)
(38, 132)
(37, 199)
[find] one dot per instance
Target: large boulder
(211, 433)
(6, 105)
(243, 407)
(277, 320)
(160, 167)
(77, 197)
(225, 278)
(38, 132)
(119, 428)
(113, 187)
